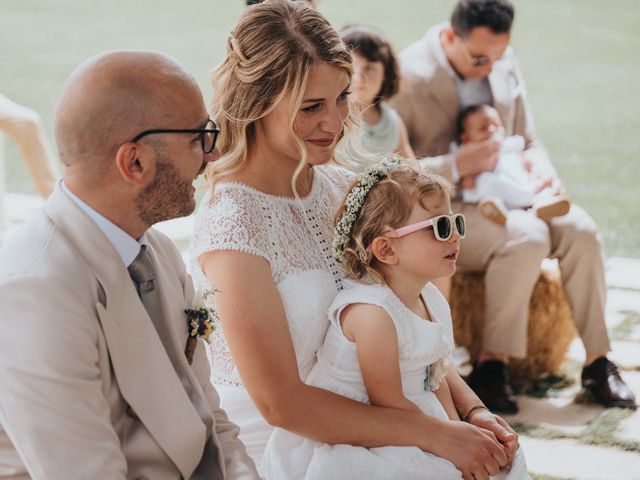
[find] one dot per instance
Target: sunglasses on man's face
(443, 226)
(475, 61)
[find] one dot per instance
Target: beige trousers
(510, 256)
(24, 127)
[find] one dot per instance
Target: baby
(512, 185)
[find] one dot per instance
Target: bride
(263, 239)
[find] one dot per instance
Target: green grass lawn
(580, 60)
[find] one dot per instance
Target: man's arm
(238, 464)
(52, 405)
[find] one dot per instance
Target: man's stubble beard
(167, 196)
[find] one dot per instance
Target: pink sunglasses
(442, 227)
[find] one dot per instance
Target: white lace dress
(295, 237)
(423, 348)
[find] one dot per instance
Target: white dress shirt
(126, 246)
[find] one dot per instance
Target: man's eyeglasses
(208, 134)
(477, 62)
(442, 225)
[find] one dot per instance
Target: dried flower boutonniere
(200, 322)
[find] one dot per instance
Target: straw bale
(551, 328)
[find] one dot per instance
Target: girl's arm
(444, 396)
(375, 336)
(255, 326)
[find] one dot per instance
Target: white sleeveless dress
(295, 237)
(423, 348)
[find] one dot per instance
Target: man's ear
(135, 164)
(449, 34)
(383, 250)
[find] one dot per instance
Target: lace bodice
(295, 237)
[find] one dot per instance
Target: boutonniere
(201, 323)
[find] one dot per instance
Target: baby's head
(377, 75)
(478, 123)
(398, 196)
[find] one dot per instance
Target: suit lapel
(443, 89)
(173, 305)
(145, 375)
(441, 86)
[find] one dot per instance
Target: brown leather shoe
(490, 381)
(603, 380)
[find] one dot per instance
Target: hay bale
(551, 328)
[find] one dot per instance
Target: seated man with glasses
(469, 62)
(103, 373)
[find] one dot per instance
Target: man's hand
(502, 430)
(477, 157)
(474, 451)
(468, 182)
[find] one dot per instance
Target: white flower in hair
(354, 201)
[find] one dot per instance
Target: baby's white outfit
(510, 181)
(424, 347)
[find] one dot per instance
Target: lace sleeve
(228, 220)
(339, 177)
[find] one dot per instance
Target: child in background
(390, 335)
(376, 79)
(512, 185)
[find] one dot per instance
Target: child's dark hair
(462, 118)
(372, 45)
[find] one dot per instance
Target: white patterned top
(295, 237)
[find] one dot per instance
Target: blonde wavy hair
(269, 54)
(388, 205)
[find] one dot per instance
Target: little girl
(376, 78)
(390, 335)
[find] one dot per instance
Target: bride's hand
(474, 451)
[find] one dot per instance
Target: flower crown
(365, 181)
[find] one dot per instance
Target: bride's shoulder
(226, 195)
(339, 178)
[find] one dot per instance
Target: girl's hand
(502, 430)
(474, 451)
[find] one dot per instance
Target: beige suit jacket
(428, 104)
(77, 348)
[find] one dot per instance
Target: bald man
(94, 382)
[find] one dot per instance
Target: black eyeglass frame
(215, 130)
